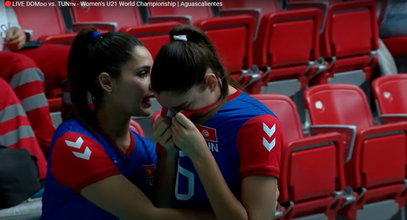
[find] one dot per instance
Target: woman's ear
(211, 81)
(105, 82)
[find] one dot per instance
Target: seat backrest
(351, 29)
(256, 9)
(232, 37)
(154, 36)
(286, 111)
(86, 11)
(304, 166)
(381, 7)
(283, 32)
(343, 104)
(41, 20)
(390, 93)
(182, 8)
(265, 6)
(321, 5)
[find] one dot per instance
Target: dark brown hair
(184, 61)
(91, 54)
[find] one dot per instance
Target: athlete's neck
(115, 126)
(201, 117)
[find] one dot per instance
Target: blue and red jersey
(79, 158)
(245, 140)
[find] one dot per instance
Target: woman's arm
(165, 176)
(225, 205)
(120, 197)
(259, 196)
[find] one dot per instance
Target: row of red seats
(349, 166)
(286, 44)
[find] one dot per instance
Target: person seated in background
(221, 148)
(26, 70)
(15, 129)
(393, 25)
(395, 19)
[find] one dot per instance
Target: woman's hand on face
(163, 134)
(187, 137)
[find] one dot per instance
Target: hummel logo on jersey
(269, 132)
(78, 144)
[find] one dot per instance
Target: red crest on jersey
(149, 171)
(208, 133)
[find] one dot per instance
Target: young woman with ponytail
(98, 168)
(220, 150)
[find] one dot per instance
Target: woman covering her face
(220, 147)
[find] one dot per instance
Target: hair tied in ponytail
(180, 37)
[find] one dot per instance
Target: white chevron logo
(268, 145)
(77, 144)
(85, 155)
(269, 131)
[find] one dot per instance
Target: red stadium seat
(277, 34)
(396, 45)
(312, 174)
(46, 23)
(233, 37)
(375, 156)
(105, 18)
(390, 94)
(55, 104)
(381, 7)
(321, 5)
(264, 6)
(180, 13)
(280, 34)
(127, 19)
(349, 42)
(254, 8)
(154, 36)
